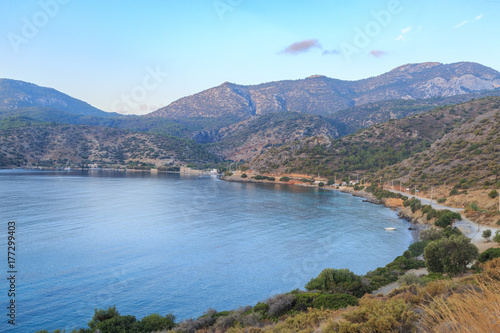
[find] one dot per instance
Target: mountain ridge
(16, 94)
(318, 94)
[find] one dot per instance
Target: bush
(155, 322)
(338, 281)
(446, 218)
(453, 192)
(271, 179)
(410, 279)
(102, 315)
(285, 179)
(496, 238)
(431, 234)
(321, 184)
(228, 174)
(375, 315)
(260, 177)
(334, 302)
(450, 255)
(473, 206)
(280, 304)
(261, 308)
(244, 175)
(489, 254)
(487, 234)
(417, 248)
(493, 194)
(441, 200)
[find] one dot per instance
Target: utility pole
(416, 191)
(432, 189)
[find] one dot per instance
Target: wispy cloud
(377, 53)
(302, 46)
(404, 32)
(477, 18)
(460, 24)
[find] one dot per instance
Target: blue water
(171, 243)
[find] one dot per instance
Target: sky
(134, 57)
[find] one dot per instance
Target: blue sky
(136, 56)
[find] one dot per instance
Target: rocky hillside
(18, 94)
(367, 115)
(374, 148)
(249, 138)
(322, 95)
(469, 155)
(69, 145)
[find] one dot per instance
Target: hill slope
(323, 95)
(248, 138)
(371, 149)
(18, 94)
(470, 152)
(69, 145)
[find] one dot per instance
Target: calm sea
(171, 243)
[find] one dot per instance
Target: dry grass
(475, 310)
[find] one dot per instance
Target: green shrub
(417, 248)
(334, 301)
(473, 206)
(431, 234)
(493, 194)
(285, 179)
(271, 179)
(261, 308)
(244, 175)
(496, 238)
(446, 218)
(304, 300)
(260, 177)
(450, 255)
(321, 184)
(441, 200)
(427, 209)
(453, 192)
(154, 322)
(489, 254)
(228, 174)
(486, 234)
(338, 281)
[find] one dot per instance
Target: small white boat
(390, 229)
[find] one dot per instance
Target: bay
(174, 243)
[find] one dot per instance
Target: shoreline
(414, 227)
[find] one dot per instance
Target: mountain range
(321, 95)
(237, 122)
